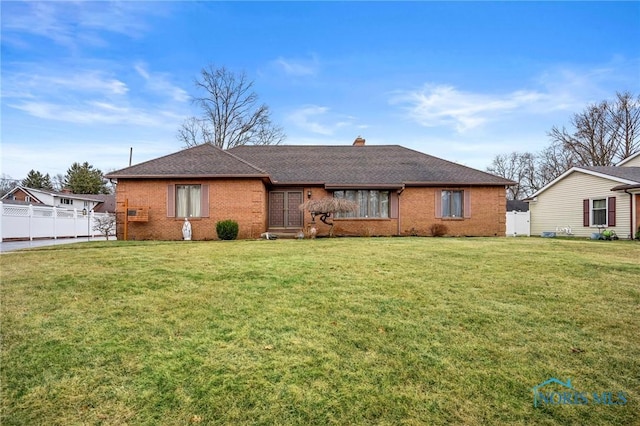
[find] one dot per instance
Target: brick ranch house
(399, 191)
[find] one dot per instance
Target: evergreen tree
(37, 180)
(84, 179)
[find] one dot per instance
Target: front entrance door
(284, 209)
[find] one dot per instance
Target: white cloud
(319, 120)
(444, 105)
(560, 91)
(159, 83)
(74, 24)
(94, 96)
(39, 82)
(94, 112)
(298, 67)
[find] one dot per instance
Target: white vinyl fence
(518, 224)
(32, 222)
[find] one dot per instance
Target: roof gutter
(199, 176)
(364, 186)
(454, 184)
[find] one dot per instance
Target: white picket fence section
(34, 222)
(518, 224)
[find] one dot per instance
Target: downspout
(400, 191)
(631, 215)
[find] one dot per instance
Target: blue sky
(464, 81)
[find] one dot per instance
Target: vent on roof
(359, 141)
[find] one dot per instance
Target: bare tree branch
(231, 115)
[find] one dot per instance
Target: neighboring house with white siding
(102, 203)
(588, 199)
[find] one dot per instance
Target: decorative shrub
(438, 229)
(227, 229)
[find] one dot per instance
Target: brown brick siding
(417, 214)
(241, 200)
(488, 212)
(246, 202)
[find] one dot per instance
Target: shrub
(438, 229)
(227, 229)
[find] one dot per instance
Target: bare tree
(58, 182)
(553, 161)
(625, 119)
(105, 224)
(7, 183)
(593, 141)
(518, 167)
(231, 114)
(603, 133)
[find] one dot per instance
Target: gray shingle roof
(628, 173)
(333, 166)
(200, 161)
(360, 165)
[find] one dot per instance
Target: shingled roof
(333, 166)
(381, 165)
(627, 173)
(198, 162)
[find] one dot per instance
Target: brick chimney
(359, 141)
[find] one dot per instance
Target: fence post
(54, 214)
(75, 222)
(91, 218)
(1, 218)
(30, 220)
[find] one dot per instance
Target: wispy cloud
(160, 83)
(43, 83)
(94, 96)
(563, 89)
(444, 105)
(73, 24)
(298, 67)
(94, 112)
(319, 120)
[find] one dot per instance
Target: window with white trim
(371, 203)
(599, 212)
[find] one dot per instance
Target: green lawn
(329, 331)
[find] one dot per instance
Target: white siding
(561, 205)
(634, 162)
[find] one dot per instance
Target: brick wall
(245, 201)
(242, 200)
(488, 212)
(417, 214)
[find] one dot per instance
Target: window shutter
(467, 204)
(204, 201)
(585, 212)
(611, 211)
(438, 203)
(171, 200)
(393, 195)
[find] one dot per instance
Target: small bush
(227, 229)
(438, 229)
